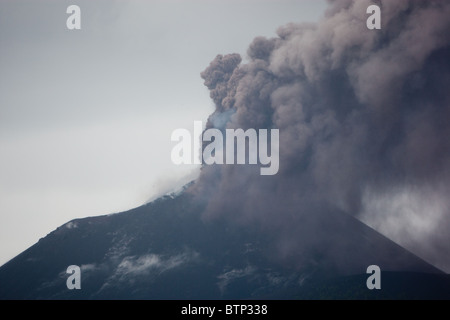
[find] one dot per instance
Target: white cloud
(152, 263)
(71, 225)
(404, 212)
(411, 216)
(227, 277)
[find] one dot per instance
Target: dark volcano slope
(165, 250)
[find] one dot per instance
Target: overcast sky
(86, 115)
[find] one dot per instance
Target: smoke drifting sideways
(364, 122)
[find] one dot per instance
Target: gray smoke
(364, 120)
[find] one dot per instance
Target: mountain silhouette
(167, 250)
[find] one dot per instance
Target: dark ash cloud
(364, 126)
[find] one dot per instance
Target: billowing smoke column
(364, 122)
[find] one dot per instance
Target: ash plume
(364, 122)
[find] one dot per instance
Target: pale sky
(86, 115)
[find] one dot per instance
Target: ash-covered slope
(165, 250)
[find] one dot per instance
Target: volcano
(167, 250)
